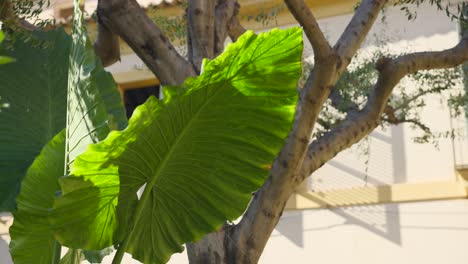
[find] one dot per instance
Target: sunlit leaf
(201, 153)
(6, 59)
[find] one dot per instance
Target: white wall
(429, 232)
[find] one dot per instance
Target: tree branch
(357, 30)
(128, 20)
(268, 203)
(225, 10)
(359, 124)
(227, 23)
(6, 11)
(235, 29)
(304, 16)
(407, 102)
(286, 175)
(201, 28)
(106, 45)
(292, 166)
(8, 16)
(415, 122)
(391, 118)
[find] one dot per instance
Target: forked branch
(227, 23)
(124, 16)
(235, 29)
(296, 161)
(304, 16)
(359, 124)
(8, 16)
(107, 45)
(268, 203)
(356, 31)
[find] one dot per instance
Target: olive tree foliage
(338, 105)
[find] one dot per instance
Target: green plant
(35, 106)
(216, 131)
(198, 155)
(88, 108)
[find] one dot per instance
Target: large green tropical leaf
(32, 106)
(32, 239)
(86, 122)
(94, 108)
(201, 153)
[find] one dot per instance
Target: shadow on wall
(292, 229)
(382, 220)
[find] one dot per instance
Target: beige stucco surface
(427, 232)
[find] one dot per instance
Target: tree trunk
(214, 248)
(209, 23)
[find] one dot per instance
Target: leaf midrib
(152, 182)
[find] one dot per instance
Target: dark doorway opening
(138, 95)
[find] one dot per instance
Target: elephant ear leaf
(32, 239)
(94, 107)
(33, 94)
(199, 153)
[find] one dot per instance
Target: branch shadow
(385, 221)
